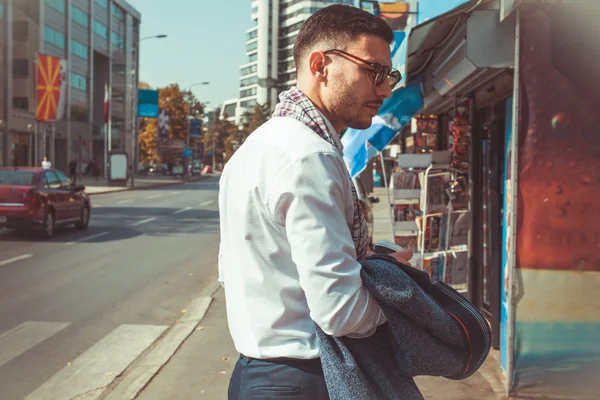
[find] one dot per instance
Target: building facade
(99, 40)
(269, 42)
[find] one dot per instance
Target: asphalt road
(83, 305)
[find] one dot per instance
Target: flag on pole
(51, 87)
(106, 105)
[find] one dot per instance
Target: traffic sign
(187, 152)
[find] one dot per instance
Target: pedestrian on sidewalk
(292, 230)
(46, 164)
(73, 171)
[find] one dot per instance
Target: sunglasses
(381, 72)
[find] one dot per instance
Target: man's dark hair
(338, 25)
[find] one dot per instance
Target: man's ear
(318, 64)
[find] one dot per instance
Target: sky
(205, 42)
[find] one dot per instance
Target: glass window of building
(102, 3)
(79, 16)
(78, 82)
(20, 67)
(22, 103)
(58, 5)
(117, 40)
(252, 46)
(100, 29)
(79, 49)
(117, 12)
(54, 37)
(249, 103)
(248, 92)
(21, 31)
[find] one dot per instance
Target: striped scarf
(295, 104)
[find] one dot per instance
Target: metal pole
(36, 154)
(387, 190)
(105, 129)
(52, 143)
(214, 152)
(109, 119)
(187, 142)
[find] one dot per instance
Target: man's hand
(400, 256)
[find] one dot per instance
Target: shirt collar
(334, 134)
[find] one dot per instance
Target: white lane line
(90, 373)
(182, 210)
(124, 201)
(15, 259)
(88, 238)
(206, 203)
(21, 338)
(156, 196)
(144, 221)
(151, 362)
(173, 193)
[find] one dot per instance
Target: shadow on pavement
(69, 234)
(119, 222)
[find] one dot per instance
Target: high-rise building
(99, 40)
(269, 42)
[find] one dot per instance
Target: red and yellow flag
(50, 87)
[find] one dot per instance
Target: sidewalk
(101, 186)
(201, 367)
(487, 383)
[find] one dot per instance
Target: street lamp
(134, 135)
(189, 116)
(161, 36)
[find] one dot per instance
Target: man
(292, 231)
(46, 164)
(73, 170)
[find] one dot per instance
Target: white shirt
(286, 256)
(46, 164)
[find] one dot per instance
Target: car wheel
(49, 225)
(84, 218)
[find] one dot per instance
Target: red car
(41, 199)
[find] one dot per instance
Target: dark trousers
(273, 379)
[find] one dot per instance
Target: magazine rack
(426, 216)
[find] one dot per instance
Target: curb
(158, 185)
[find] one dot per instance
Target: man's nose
(384, 90)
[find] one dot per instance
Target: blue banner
(147, 103)
(362, 145)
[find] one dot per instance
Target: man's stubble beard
(347, 108)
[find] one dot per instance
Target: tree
(220, 139)
(254, 119)
(178, 104)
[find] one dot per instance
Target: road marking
(151, 363)
(88, 238)
(124, 201)
(173, 193)
(90, 373)
(15, 259)
(156, 196)
(144, 221)
(206, 203)
(21, 338)
(182, 210)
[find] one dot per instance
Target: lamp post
(189, 121)
(134, 134)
